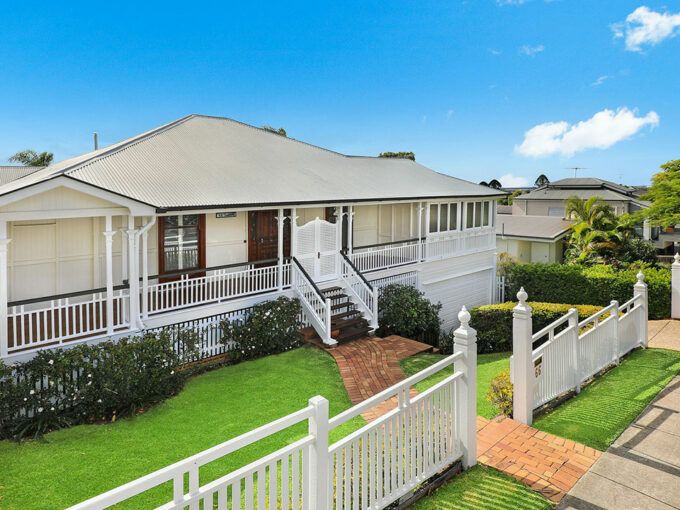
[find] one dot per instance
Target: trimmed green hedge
(494, 322)
(596, 285)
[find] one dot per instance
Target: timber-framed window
(181, 242)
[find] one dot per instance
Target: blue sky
(460, 83)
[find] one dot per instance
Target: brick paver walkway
(548, 464)
(371, 364)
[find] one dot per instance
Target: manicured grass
(483, 488)
(71, 465)
(488, 366)
(604, 408)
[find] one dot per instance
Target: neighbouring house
(550, 200)
(207, 215)
(532, 238)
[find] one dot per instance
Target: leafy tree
(664, 194)
(495, 184)
(32, 158)
(402, 155)
(279, 131)
(541, 180)
(594, 232)
(508, 199)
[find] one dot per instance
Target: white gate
(317, 248)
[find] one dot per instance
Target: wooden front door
(263, 235)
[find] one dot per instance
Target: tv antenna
(575, 168)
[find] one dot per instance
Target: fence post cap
(522, 309)
(464, 317)
(640, 277)
(522, 296)
(677, 259)
(317, 400)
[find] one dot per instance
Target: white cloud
(512, 181)
(449, 114)
(494, 52)
(646, 27)
(531, 50)
(601, 131)
(510, 2)
(600, 80)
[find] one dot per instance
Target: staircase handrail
(351, 264)
(369, 300)
(321, 318)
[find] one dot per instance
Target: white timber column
(675, 288)
(133, 273)
(640, 289)
(293, 232)
(279, 254)
(124, 250)
(465, 341)
(522, 371)
(108, 234)
(4, 289)
(420, 231)
(145, 266)
(350, 229)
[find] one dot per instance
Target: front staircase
(347, 322)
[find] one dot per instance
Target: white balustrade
(362, 293)
(374, 258)
(316, 308)
(572, 351)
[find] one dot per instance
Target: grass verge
(74, 464)
(488, 366)
(604, 408)
(483, 488)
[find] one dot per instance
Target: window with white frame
(478, 214)
(444, 217)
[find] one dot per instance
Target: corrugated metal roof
(588, 182)
(563, 194)
(539, 227)
(200, 161)
(12, 173)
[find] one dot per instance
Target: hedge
(596, 285)
(494, 322)
(405, 311)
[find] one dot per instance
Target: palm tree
(596, 232)
(32, 158)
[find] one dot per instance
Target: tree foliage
(664, 194)
(31, 158)
(508, 199)
(279, 131)
(402, 155)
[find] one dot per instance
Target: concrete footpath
(641, 470)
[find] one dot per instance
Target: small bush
(446, 342)
(271, 327)
(494, 322)
(596, 285)
(87, 383)
(404, 311)
(500, 393)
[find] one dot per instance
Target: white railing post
(4, 291)
(327, 318)
(465, 341)
(522, 371)
(617, 343)
(318, 483)
(640, 289)
(133, 278)
(279, 250)
(675, 288)
(576, 370)
(374, 318)
(108, 234)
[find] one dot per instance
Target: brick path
(548, 464)
(370, 365)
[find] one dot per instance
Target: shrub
(446, 342)
(494, 322)
(596, 285)
(271, 327)
(87, 383)
(406, 312)
(500, 393)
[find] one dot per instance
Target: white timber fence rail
(571, 352)
(366, 470)
(362, 292)
(386, 255)
(315, 306)
(54, 320)
(212, 285)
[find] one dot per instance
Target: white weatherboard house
(205, 215)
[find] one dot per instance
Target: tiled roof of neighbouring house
(534, 227)
(201, 161)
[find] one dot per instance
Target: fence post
(617, 342)
(465, 341)
(522, 371)
(317, 484)
(374, 305)
(573, 323)
(675, 288)
(640, 289)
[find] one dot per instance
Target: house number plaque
(538, 367)
(225, 215)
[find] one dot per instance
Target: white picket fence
(367, 470)
(572, 351)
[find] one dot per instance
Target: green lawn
(75, 464)
(604, 408)
(482, 488)
(488, 366)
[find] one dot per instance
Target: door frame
(253, 216)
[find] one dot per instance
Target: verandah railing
(568, 352)
(368, 469)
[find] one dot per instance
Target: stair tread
(344, 304)
(330, 289)
(352, 333)
(347, 323)
(337, 317)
